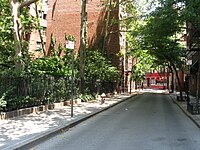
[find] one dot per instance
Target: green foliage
(160, 35)
(138, 73)
(98, 67)
(5, 20)
(27, 91)
(51, 65)
(153, 40)
(55, 64)
(131, 19)
(143, 65)
(2, 101)
(86, 97)
(163, 22)
(27, 20)
(6, 36)
(143, 59)
(189, 10)
(7, 42)
(69, 37)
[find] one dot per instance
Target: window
(44, 16)
(44, 31)
(38, 47)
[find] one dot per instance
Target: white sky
(146, 6)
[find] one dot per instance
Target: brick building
(193, 47)
(63, 17)
(60, 17)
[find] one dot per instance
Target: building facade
(64, 17)
(193, 56)
(37, 39)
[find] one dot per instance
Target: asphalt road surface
(145, 122)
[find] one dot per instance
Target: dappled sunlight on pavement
(183, 106)
(152, 91)
(21, 128)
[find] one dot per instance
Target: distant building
(35, 40)
(157, 80)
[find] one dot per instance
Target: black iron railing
(35, 90)
(193, 108)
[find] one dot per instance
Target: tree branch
(26, 3)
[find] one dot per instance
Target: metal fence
(193, 108)
(29, 91)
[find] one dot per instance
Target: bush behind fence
(29, 91)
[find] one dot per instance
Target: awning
(194, 68)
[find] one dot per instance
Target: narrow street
(144, 122)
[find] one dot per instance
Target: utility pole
(83, 43)
(70, 46)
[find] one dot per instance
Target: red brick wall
(66, 19)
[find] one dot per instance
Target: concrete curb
(186, 113)
(24, 145)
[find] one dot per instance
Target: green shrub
(86, 97)
(2, 101)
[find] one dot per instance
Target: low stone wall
(25, 111)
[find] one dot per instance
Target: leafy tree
(6, 37)
(16, 23)
(140, 55)
(159, 36)
(98, 67)
(2, 102)
(16, 9)
(144, 64)
(50, 65)
(55, 64)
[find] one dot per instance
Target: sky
(146, 6)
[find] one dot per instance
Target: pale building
(36, 38)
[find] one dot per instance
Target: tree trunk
(15, 7)
(82, 44)
(108, 7)
(179, 82)
(172, 82)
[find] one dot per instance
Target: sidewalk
(20, 131)
(183, 106)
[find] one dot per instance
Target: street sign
(70, 44)
(189, 62)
